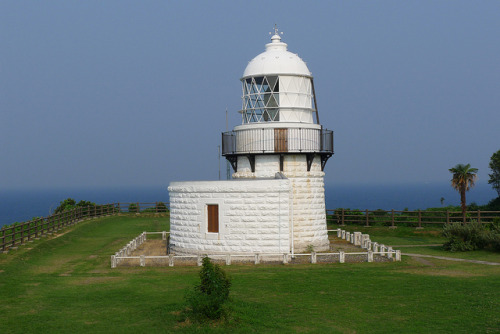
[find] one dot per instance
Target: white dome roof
(276, 60)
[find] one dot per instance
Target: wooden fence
(417, 219)
(19, 233)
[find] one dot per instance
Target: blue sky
(108, 93)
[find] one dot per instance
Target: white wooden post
(164, 235)
(382, 249)
(339, 233)
(113, 261)
(341, 257)
(370, 256)
(313, 257)
(389, 252)
(357, 238)
(348, 237)
(343, 234)
(257, 258)
(398, 255)
(228, 259)
(285, 258)
(198, 261)
(142, 261)
(170, 260)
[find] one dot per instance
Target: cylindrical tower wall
(307, 209)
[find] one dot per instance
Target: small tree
(495, 175)
(464, 178)
(207, 299)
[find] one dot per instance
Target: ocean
(23, 204)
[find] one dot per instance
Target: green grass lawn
(65, 284)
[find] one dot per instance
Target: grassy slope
(66, 285)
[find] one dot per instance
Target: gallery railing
(275, 140)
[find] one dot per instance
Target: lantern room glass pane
(261, 99)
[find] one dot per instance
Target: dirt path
(452, 259)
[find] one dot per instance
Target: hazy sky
(106, 93)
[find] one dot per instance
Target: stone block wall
(307, 196)
(253, 216)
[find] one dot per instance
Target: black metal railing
(274, 140)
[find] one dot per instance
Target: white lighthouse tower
(275, 203)
(281, 133)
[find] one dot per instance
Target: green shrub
(133, 207)
(207, 300)
(161, 207)
(467, 237)
(67, 204)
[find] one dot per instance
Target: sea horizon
(19, 205)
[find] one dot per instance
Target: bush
(67, 204)
(469, 237)
(161, 207)
(206, 300)
(133, 207)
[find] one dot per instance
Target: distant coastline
(24, 204)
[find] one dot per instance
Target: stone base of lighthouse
(307, 212)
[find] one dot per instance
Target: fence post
(370, 256)
(170, 260)
(313, 257)
(479, 216)
(22, 233)
(392, 219)
(341, 257)
(447, 216)
(367, 222)
(3, 240)
(419, 219)
(342, 217)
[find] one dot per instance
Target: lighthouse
(280, 132)
(275, 202)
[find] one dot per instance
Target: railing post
(367, 219)
(419, 219)
(479, 216)
(343, 217)
(447, 216)
(392, 219)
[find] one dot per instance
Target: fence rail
(418, 218)
(17, 234)
(20, 233)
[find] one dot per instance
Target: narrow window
(213, 218)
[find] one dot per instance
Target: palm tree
(463, 179)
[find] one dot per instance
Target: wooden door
(280, 140)
(213, 218)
